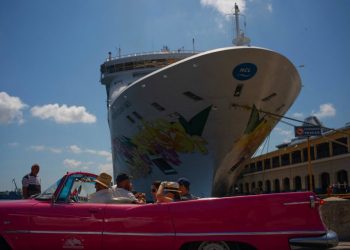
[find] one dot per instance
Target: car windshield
(48, 193)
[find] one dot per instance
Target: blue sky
(53, 108)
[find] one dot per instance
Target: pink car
(61, 218)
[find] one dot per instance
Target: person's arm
(160, 195)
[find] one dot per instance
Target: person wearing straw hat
(103, 192)
(168, 191)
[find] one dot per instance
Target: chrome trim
(140, 234)
(249, 233)
(164, 234)
(51, 232)
(296, 203)
(327, 240)
(299, 203)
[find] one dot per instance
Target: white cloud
(225, 6)
(75, 149)
(269, 7)
(286, 134)
(70, 163)
(326, 110)
(63, 114)
(75, 165)
(41, 148)
(37, 148)
(102, 153)
(107, 168)
(11, 109)
(298, 115)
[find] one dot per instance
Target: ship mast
(240, 39)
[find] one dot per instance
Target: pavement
(342, 245)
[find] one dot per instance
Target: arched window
(286, 184)
(260, 187)
(268, 186)
(253, 188)
(297, 183)
(342, 177)
(307, 180)
(277, 188)
(247, 188)
(325, 182)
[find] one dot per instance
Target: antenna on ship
(193, 45)
(240, 39)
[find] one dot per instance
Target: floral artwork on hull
(159, 142)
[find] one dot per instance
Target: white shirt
(102, 196)
(122, 193)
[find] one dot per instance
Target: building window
(322, 150)
(252, 167)
(342, 177)
(312, 152)
(253, 187)
(267, 163)
(286, 184)
(277, 185)
(285, 159)
(276, 162)
(339, 149)
(325, 182)
(259, 166)
(297, 183)
(268, 186)
(307, 181)
(247, 188)
(296, 157)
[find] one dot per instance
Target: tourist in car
(184, 187)
(123, 188)
(154, 188)
(168, 192)
(103, 192)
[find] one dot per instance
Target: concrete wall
(336, 215)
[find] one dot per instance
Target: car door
(69, 222)
(136, 226)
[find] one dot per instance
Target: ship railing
(179, 51)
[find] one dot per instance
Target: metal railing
(179, 51)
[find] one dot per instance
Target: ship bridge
(139, 64)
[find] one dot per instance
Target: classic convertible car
(62, 218)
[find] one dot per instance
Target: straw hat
(104, 179)
(171, 186)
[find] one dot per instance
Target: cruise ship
(199, 115)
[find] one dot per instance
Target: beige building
(286, 169)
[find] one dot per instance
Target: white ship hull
(187, 120)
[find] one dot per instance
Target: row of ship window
(135, 65)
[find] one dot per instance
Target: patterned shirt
(32, 183)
